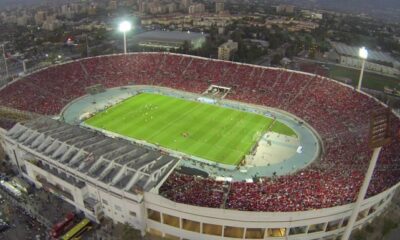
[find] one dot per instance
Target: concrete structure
(377, 61)
(99, 175)
(226, 50)
(170, 40)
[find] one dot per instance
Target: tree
(185, 48)
(290, 51)
(276, 59)
(130, 233)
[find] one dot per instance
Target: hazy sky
(334, 4)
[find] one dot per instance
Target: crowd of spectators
(338, 113)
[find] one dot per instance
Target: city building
(285, 8)
(69, 10)
(171, 7)
(113, 4)
(51, 23)
(219, 6)
(197, 8)
(292, 25)
(142, 6)
(226, 50)
(40, 17)
(185, 4)
(92, 9)
(22, 20)
(170, 39)
(157, 8)
(311, 14)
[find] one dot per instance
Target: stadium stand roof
(344, 49)
(116, 162)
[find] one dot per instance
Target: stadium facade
(104, 176)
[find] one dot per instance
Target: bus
(77, 230)
(61, 227)
(10, 188)
(21, 185)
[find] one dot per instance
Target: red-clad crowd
(338, 113)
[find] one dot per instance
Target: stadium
(185, 147)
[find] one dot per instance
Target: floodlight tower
(124, 27)
(363, 53)
(379, 136)
(5, 61)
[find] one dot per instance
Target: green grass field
(370, 80)
(207, 131)
(281, 128)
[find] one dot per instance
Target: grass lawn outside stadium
(211, 132)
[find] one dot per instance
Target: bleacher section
(339, 114)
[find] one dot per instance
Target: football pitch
(207, 131)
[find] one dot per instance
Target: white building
(101, 176)
(226, 50)
(311, 14)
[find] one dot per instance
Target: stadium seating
(338, 113)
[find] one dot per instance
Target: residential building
(226, 50)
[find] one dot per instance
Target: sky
(367, 6)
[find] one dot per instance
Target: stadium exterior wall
(322, 219)
(118, 205)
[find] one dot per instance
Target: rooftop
(116, 162)
(170, 36)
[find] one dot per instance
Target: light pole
(87, 46)
(363, 53)
(379, 137)
(124, 27)
(5, 61)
